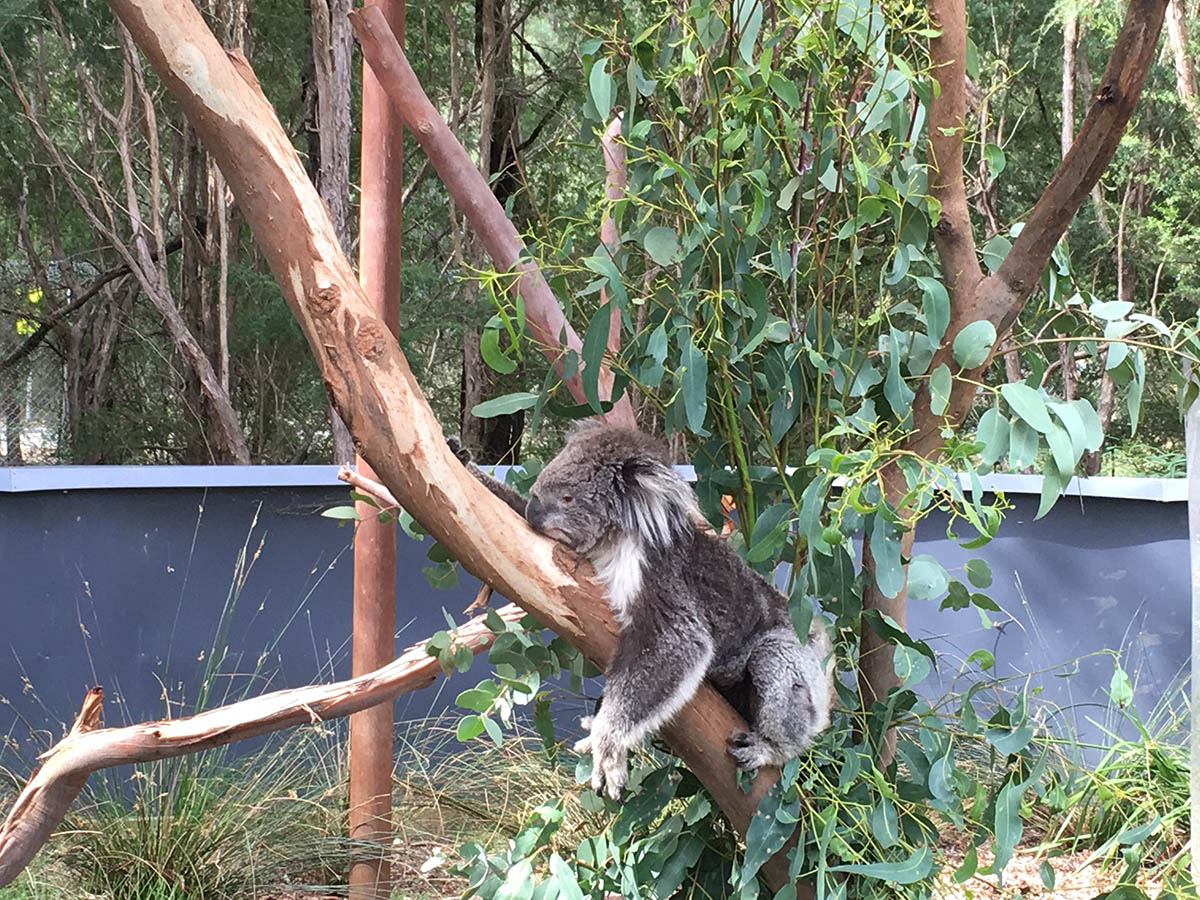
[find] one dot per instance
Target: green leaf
(469, 727)
(785, 90)
(935, 304)
(993, 431)
(568, 884)
(344, 513)
(595, 341)
(1007, 824)
(941, 779)
(748, 15)
(767, 832)
(979, 573)
(1133, 397)
(602, 264)
(1052, 484)
(885, 551)
(502, 406)
(1093, 430)
(493, 730)
(1072, 421)
(693, 381)
(1046, 871)
(603, 90)
(489, 349)
(1138, 834)
(1009, 740)
(1120, 689)
(994, 252)
(885, 824)
(939, 389)
(1022, 444)
(898, 394)
(984, 657)
(926, 578)
(1060, 448)
(1110, 310)
(662, 245)
(478, 699)
(918, 865)
(994, 157)
(973, 344)
(969, 864)
(1029, 404)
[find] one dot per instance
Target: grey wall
(125, 587)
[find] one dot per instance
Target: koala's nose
(535, 513)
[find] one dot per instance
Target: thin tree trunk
(1066, 353)
(332, 49)
(1185, 68)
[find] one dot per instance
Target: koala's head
(608, 482)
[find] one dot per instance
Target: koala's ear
(654, 501)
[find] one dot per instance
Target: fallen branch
(86, 748)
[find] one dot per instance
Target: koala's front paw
(750, 751)
(456, 447)
(610, 762)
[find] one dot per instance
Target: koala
(688, 607)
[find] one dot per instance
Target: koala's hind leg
(791, 680)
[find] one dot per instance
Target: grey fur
(688, 606)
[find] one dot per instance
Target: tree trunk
(1185, 68)
(332, 49)
(496, 439)
(1066, 352)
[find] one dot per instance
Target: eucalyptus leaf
(907, 871)
(973, 344)
(602, 88)
(662, 244)
(1007, 825)
(504, 405)
(1029, 404)
(940, 383)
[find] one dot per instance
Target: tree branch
(1000, 297)
(65, 767)
(548, 327)
(373, 388)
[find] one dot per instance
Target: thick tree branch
(549, 328)
(65, 766)
(374, 389)
(1000, 297)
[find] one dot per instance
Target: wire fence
(33, 390)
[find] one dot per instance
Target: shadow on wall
(127, 587)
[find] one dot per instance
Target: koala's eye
(566, 498)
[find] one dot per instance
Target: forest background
(139, 323)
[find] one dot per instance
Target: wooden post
(375, 542)
(1192, 445)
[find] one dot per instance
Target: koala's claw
(749, 750)
(610, 762)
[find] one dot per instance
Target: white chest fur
(619, 569)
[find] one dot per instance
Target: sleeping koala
(688, 607)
